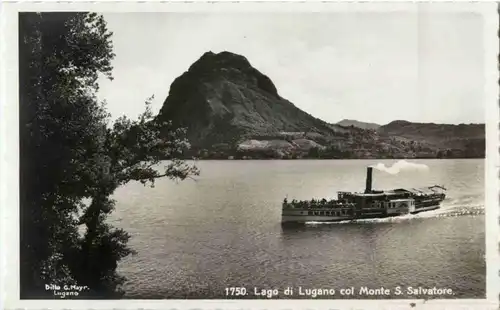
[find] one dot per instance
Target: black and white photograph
(331, 152)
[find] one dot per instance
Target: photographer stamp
(65, 290)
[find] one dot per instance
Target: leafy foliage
(69, 155)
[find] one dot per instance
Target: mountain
(230, 109)
(355, 123)
(468, 139)
(433, 133)
(222, 96)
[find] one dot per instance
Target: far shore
(311, 159)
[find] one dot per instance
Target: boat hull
(306, 218)
(424, 209)
(302, 217)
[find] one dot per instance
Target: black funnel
(369, 172)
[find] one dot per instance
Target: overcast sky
(374, 67)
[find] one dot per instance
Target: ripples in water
(195, 238)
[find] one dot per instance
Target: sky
(372, 66)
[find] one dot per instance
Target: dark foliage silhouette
(72, 160)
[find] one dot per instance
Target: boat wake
(448, 209)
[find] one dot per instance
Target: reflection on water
(194, 239)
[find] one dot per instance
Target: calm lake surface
(194, 239)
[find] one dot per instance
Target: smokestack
(369, 172)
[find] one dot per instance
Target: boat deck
(369, 204)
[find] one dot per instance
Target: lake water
(196, 238)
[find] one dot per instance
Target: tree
(58, 70)
(69, 154)
(314, 152)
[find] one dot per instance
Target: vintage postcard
(248, 155)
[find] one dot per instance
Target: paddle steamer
(364, 205)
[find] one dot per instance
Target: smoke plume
(401, 165)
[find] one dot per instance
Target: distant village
(314, 146)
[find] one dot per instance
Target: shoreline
(292, 159)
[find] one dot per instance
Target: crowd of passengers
(316, 203)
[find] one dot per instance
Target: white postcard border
(9, 156)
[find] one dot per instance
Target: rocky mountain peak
(211, 61)
(222, 94)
